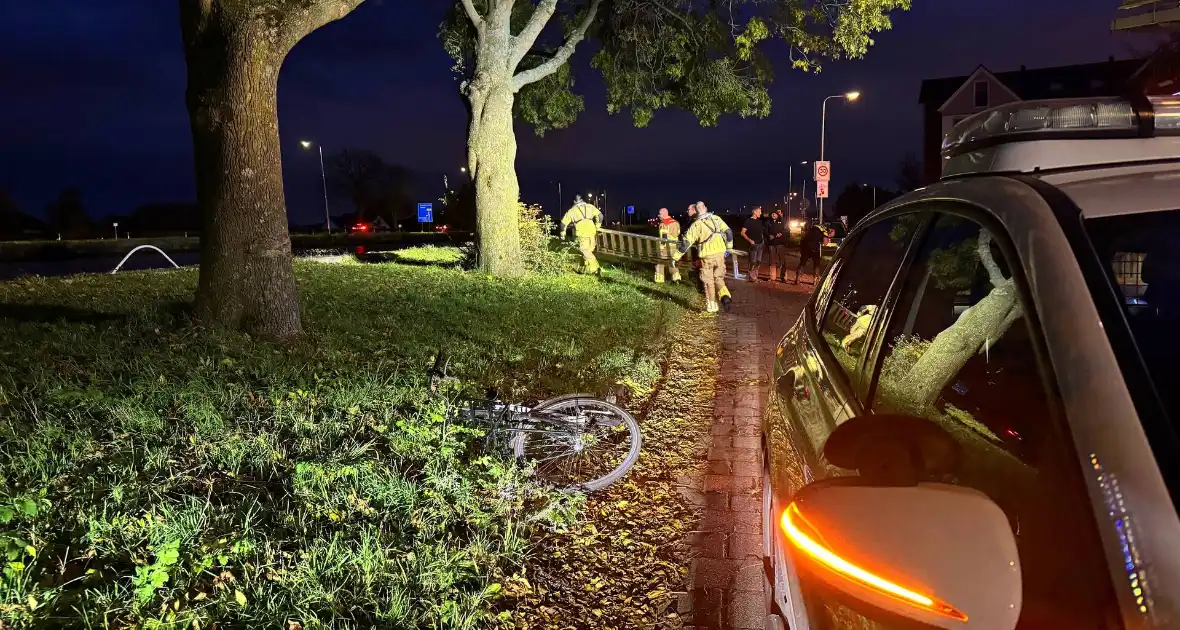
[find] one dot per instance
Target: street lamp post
(850, 97)
(324, 179)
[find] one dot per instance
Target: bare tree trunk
(491, 139)
(246, 278)
(491, 150)
(233, 50)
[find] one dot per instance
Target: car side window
(860, 285)
(959, 351)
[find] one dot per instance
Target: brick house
(947, 101)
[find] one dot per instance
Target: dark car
(973, 423)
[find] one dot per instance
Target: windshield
(1143, 253)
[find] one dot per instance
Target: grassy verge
(424, 255)
(155, 475)
(621, 566)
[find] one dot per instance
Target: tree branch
(473, 15)
(299, 23)
(983, 248)
(1009, 319)
(561, 56)
(522, 43)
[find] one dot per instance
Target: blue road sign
(630, 209)
(425, 213)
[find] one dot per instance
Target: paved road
(726, 571)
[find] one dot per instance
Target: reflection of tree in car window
(921, 369)
(959, 352)
(950, 355)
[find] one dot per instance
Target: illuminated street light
(850, 97)
(324, 178)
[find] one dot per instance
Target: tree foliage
(707, 58)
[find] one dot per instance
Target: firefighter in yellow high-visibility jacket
(586, 220)
(713, 238)
(670, 235)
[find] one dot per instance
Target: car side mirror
(931, 553)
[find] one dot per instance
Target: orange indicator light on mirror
(803, 537)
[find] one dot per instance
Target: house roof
(981, 74)
(1105, 78)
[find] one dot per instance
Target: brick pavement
(725, 575)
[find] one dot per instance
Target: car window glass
(960, 352)
(860, 285)
(821, 295)
(1142, 251)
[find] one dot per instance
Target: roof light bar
(800, 533)
(1065, 119)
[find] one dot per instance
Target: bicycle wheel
(578, 441)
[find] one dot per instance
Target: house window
(981, 93)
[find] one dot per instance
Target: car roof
(1121, 190)
(1034, 156)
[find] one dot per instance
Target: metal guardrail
(120, 265)
(645, 248)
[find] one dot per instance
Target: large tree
(67, 215)
(375, 188)
(909, 173)
(704, 57)
(234, 50)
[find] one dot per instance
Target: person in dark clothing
(754, 231)
(778, 236)
(809, 250)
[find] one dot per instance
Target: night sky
(92, 95)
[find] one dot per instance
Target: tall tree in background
(652, 54)
(359, 176)
(857, 200)
(909, 174)
(12, 221)
(234, 50)
(67, 215)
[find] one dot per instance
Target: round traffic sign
(822, 170)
